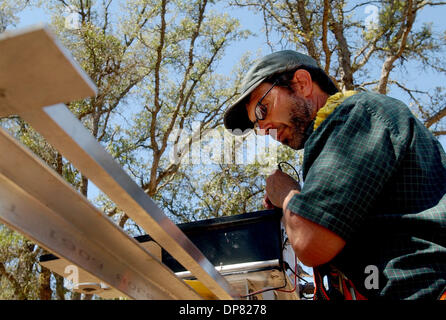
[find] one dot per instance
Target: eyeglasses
(261, 110)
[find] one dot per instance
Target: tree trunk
(344, 54)
(385, 73)
(45, 291)
(60, 289)
(84, 186)
(75, 296)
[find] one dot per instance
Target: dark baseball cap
(236, 116)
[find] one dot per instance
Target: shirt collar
(330, 105)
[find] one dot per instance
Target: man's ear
(303, 83)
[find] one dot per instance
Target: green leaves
(156, 65)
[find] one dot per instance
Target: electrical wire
(294, 272)
(263, 290)
(285, 264)
(295, 278)
(280, 288)
(295, 171)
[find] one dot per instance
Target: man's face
(287, 112)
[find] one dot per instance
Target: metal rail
(237, 268)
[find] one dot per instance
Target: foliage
(157, 59)
(160, 97)
(352, 40)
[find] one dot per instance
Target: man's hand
(313, 244)
(278, 186)
(266, 203)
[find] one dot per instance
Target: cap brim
(236, 116)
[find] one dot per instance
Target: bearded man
(371, 215)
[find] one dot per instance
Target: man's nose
(262, 130)
(265, 128)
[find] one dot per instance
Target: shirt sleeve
(350, 157)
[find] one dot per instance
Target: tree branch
(439, 133)
(308, 32)
(18, 290)
(327, 51)
(337, 28)
(435, 118)
(402, 34)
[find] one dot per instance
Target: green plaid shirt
(376, 176)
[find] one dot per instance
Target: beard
(300, 118)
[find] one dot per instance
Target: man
(372, 212)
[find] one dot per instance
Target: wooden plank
(63, 131)
(38, 203)
(78, 275)
(36, 71)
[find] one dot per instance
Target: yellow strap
(331, 104)
(201, 289)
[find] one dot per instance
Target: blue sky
(414, 78)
